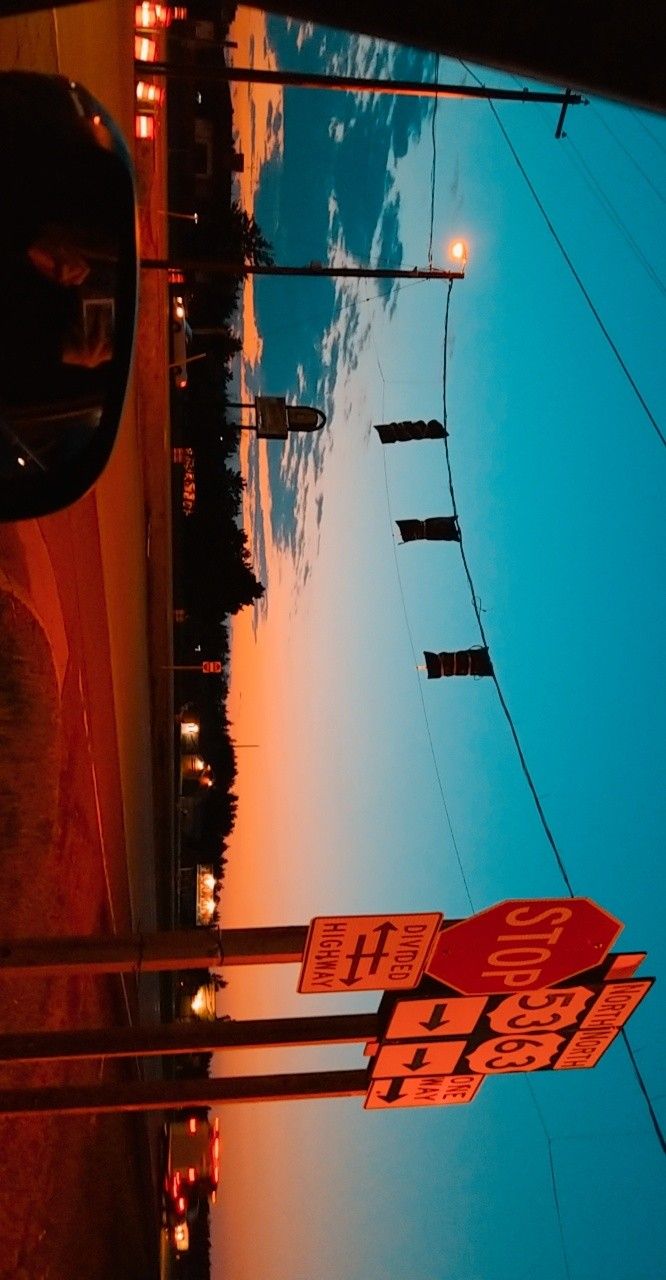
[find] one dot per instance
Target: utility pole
(355, 84)
(312, 270)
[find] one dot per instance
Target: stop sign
(522, 944)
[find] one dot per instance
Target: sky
(362, 786)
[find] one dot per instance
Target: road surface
(84, 617)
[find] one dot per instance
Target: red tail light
(144, 126)
(145, 49)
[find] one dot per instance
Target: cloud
(335, 191)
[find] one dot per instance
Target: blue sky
(559, 481)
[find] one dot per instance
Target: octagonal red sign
(522, 944)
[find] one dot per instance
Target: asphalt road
(84, 619)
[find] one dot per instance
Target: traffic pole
(198, 1036)
(355, 84)
(152, 952)
(161, 1095)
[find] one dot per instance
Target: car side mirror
(68, 290)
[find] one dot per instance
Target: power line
(553, 1177)
(475, 605)
(431, 744)
(644, 1090)
(607, 205)
(611, 343)
(646, 128)
(639, 169)
(560, 862)
(433, 171)
(597, 190)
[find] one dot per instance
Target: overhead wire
(638, 116)
(526, 771)
(594, 186)
(433, 170)
(475, 605)
(431, 744)
(424, 709)
(574, 272)
(553, 1177)
(629, 154)
(598, 192)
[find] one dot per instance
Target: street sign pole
(150, 952)
(161, 1095)
(198, 1036)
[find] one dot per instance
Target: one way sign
(422, 1091)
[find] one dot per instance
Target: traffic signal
(211, 668)
(393, 432)
(432, 529)
(461, 662)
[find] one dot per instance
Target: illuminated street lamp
(458, 252)
(186, 217)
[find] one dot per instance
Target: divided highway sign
(367, 953)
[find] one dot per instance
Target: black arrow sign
(436, 1018)
(418, 1061)
(394, 1090)
(358, 954)
(383, 931)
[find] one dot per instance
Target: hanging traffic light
(432, 529)
(393, 432)
(460, 662)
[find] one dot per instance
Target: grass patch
(29, 742)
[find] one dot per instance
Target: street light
(458, 252)
(186, 217)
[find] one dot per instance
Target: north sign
(522, 945)
(367, 953)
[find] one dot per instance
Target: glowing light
(145, 49)
(150, 93)
(21, 462)
(155, 17)
(192, 1126)
(458, 252)
(144, 126)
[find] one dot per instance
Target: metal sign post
(527, 985)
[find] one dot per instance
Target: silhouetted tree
(254, 245)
